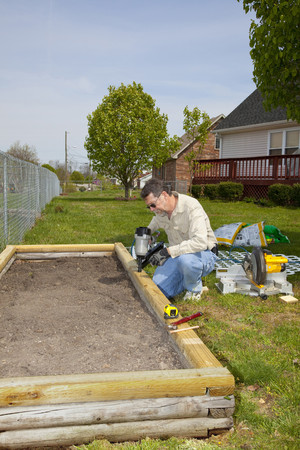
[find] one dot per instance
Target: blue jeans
(184, 272)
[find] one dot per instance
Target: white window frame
(217, 140)
(283, 131)
(221, 145)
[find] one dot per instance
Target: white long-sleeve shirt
(188, 229)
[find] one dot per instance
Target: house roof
(144, 175)
(251, 112)
(186, 141)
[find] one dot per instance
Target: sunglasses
(153, 205)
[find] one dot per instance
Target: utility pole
(66, 158)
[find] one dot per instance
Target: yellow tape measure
(170, 312)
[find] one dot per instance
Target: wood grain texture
(116, 432)
(28, 417)
(55, 255)
(113, 386)
(6, 255)
(65, 248)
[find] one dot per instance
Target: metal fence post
(37, 178)
(5, 212)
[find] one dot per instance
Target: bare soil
(78, 315)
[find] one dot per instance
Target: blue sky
(58, 58)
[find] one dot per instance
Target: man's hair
(155, 187)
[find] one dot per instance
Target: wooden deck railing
(263, 170)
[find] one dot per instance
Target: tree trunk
(126, 186)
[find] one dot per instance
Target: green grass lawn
(258, 340)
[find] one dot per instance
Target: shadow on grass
(294, 238)
(97, 199)
(87, 199)
(253, 368)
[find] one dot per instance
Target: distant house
(142, 179)
(249, 130)
(257, 148)
(176, 168)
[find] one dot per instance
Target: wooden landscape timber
(75, 409)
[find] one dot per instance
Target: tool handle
(184, 329)
(159, 246)
(186, 319)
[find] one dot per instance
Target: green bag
(274, 236)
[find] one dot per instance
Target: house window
(292, 142)
(275, 143)
(217, 142)
(284, 142)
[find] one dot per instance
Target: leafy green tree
(275, 51)
(47, 166)
(127, 134)
(196, 124)
(76, 177)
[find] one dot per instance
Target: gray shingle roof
(251, 112)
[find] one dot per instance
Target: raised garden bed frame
(75, 409)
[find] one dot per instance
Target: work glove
(159, 258)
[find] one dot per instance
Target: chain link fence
(178, 186)
(25, 189)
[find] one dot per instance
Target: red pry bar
(186, 319)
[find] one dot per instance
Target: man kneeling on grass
(192, 249)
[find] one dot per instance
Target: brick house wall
(177, 168)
